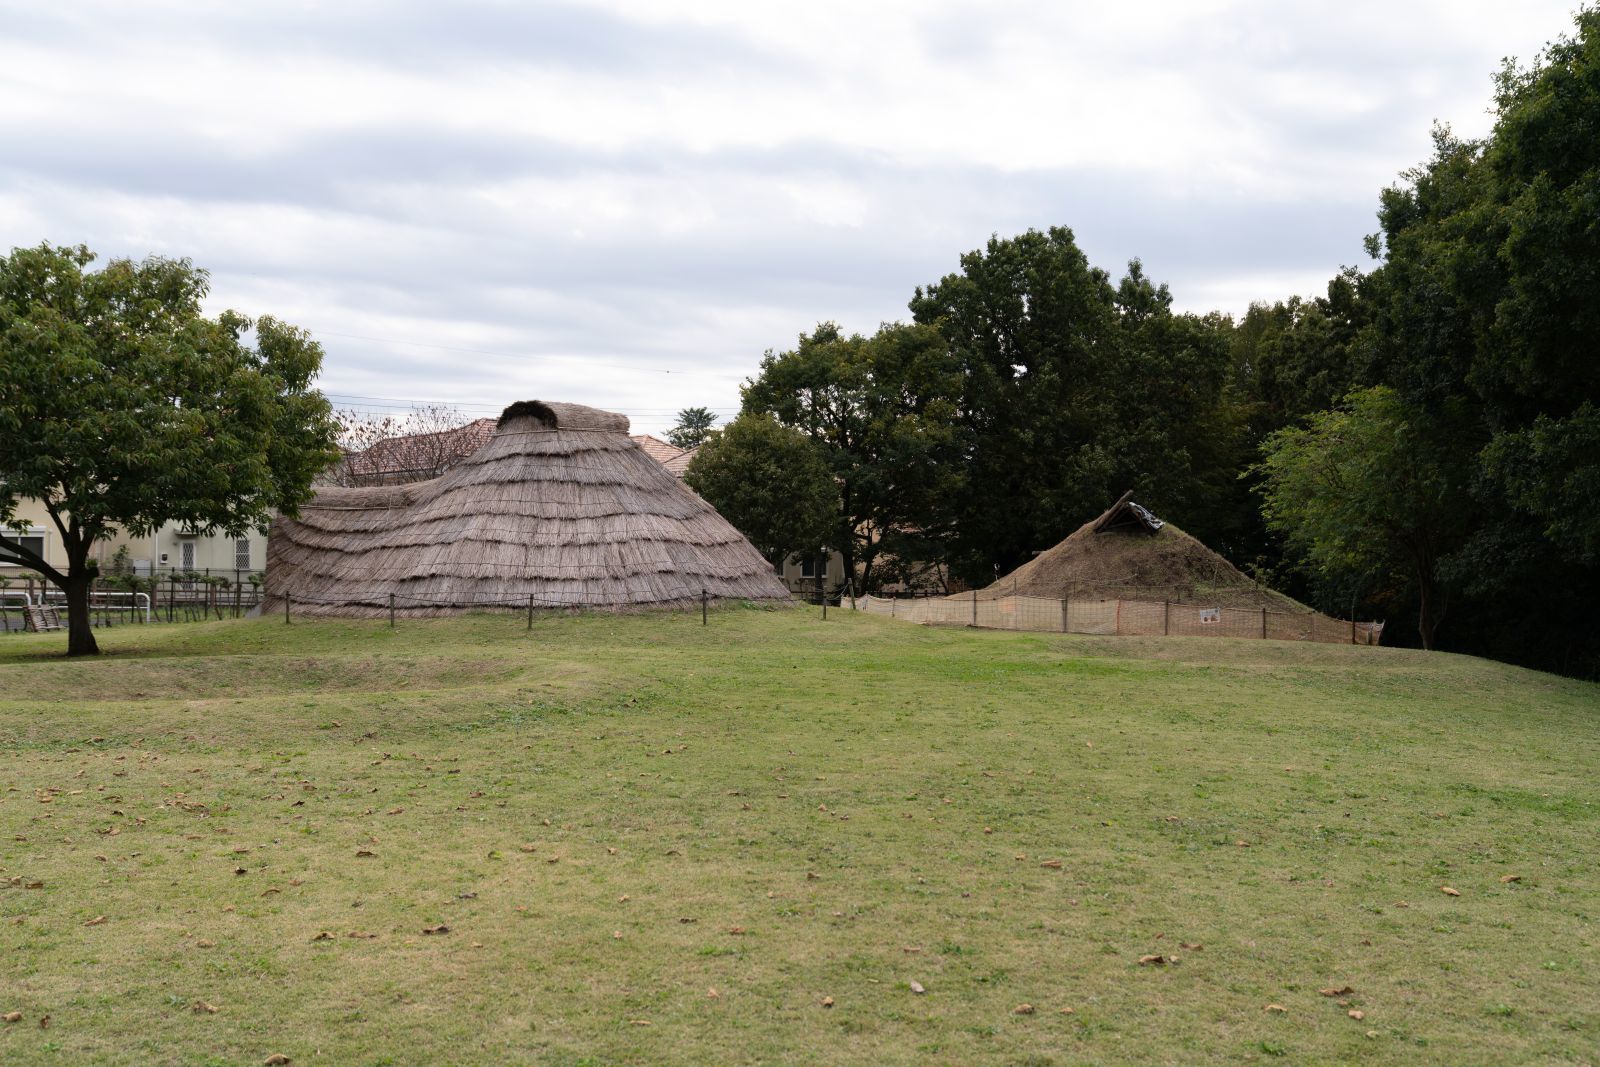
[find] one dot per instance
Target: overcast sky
(625, 203)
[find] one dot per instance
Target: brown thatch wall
(560, 505)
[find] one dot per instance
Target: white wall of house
(799, 574)
(171, 547)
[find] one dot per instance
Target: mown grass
(616, 817)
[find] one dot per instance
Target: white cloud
(574, 200)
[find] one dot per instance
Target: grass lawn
(640, 840)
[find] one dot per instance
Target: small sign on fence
(1210, 616)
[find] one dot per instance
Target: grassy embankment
(654, 842)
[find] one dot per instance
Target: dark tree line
(1421, 442)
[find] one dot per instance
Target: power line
(510, 355)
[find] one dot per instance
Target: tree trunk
(80, 632)
(1428, 614)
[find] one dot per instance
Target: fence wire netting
(1125, 617)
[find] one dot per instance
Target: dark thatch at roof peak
(559, 506)
(554, 416)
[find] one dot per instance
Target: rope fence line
(1155, 618)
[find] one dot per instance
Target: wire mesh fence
(1125, 617)
(162, 597)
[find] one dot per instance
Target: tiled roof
(680, 463)
(420, 455)
(663, 452)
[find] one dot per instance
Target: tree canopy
(123, 407)
(693, 427)
(771, 482)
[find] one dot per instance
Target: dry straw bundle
(559, 506)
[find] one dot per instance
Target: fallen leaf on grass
(12, 1017)
(205, 943)
(527, 848)
(440, 929)
(1191, 947)
(44, 1022)
(916, 987)
(1356, 1014)
(827, 1002)
(712, 994)
(1022, 1009)
(736, 930)
(1336, 991)
(1507, 879)
(200, 1007)
(1152, 961)
(96, 921)
(639, 1022)
(361, 935)
(323, 936)
(1056, 864)
(1276, 1009)
(365, 852)
(277, 1059)
(1447, 891)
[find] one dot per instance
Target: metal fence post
(704, 601)
(1263, 624)
(974, 607)
(1063, 614)
(1166, 618)
(288, 598)
(391, 611)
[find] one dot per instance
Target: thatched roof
(1128, 553)
(559, 505)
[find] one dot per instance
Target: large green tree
(123, 407)
(883, 411)
(1074, 389)
(771, 482)
(1369, 494)
(1485, 313)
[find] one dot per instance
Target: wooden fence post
(974, 607)
(1063, 614)
(530, 611)
(391, 611)
(1263, 624)
(704, 600)
(288, 599)
(1119, 616)
(1166, 618)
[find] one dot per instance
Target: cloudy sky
(624, 203)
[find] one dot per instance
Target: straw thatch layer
(560, 506)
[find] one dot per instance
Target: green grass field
(640, 841)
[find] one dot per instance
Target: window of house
(33, 542)
(812, 566)
(186, 555)
(241, 554)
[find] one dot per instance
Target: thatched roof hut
(560, 506)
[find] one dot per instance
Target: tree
(771, 482)
(1370, 492)
(1073, 390)
(123, 407)
(882, 409)
(694, 426)
(1486, 310)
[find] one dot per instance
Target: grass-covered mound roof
(1127, 553)
(560, 505)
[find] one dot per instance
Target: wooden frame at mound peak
(1127, 517)
(559, 509)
